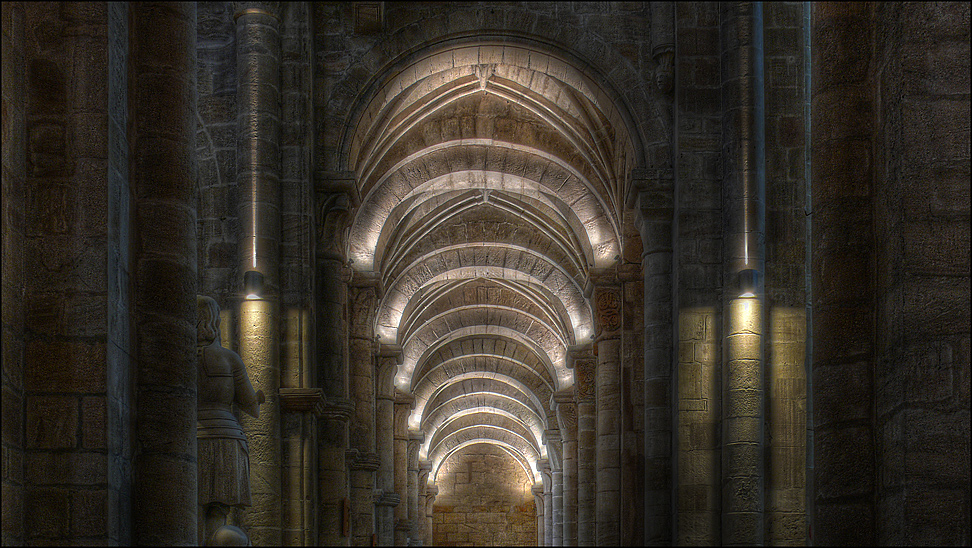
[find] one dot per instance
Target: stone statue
(223, 455)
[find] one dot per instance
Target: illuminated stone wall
(484, 500)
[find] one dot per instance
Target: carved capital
(303, 400)
(565, 406)
(607, 306)
(584, 379)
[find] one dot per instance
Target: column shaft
(164, 281)
(566, 411)
(331, 288)
(743, 203)
(586, 451)
(607, 300)
(537, 491)
(656, 207)
(362, 434)
(385, 445)
(258, 178)
(558, 507)
(414, 440)
(403, 408)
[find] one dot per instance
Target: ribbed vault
(491, 182)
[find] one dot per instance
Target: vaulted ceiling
(490, 180)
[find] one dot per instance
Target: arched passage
(491, 179)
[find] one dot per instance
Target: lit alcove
(484, 499)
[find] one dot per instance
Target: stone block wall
(216, 134)
(891, 272)
(920, 80)
(484, 500)
(697, 276)
(786, 283)
(72, 350)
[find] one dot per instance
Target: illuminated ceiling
(491, 181)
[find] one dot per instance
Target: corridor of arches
(491, 179)
(498, 273)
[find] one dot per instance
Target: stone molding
(357, 460)
(382, 498)
(338, 409)
(403, 525)
(303, 400)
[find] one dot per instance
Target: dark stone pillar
(162, 138)
(607, 303)
(843, 297)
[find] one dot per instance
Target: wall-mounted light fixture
(252, 284)
(748, 282)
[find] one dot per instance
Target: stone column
(537, 491)
(583, 365)
(258, 179)
(363, 294)
(331, 304)
(162, 112)
(554, 447)
(385, 441)
(566, 409)
(425, 467)
(607, 346)
(655, 208)
(430, 493)
(332, 471)
(415, 439)
(743, 204)
(543, 465)
(403, 408)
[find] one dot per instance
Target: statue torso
(216, 393)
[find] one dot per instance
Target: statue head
(665, 71)
(207, 323)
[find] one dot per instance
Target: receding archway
(484, 499)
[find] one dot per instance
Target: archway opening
(484, 499)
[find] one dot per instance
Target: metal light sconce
(252, 284)
(748, 282)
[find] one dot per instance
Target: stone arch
(623, 83)
(529, 466)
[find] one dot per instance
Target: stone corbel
(357, 460)
(390, 357)
(662, 17)
(303, 400)
(425, 468)
(338, 409)
(564, 405)
(336, 198)
(382, 498)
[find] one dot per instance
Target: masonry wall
(484, 500)
(786, 282)
(921, 278)
(890, 173)
(697, 276)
